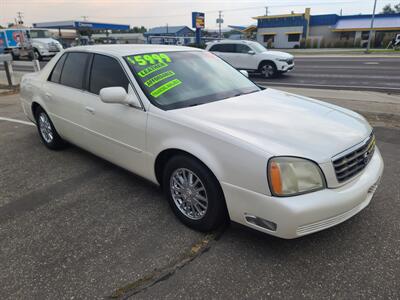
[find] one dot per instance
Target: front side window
(39, 34)
(106, 72)
(257, 47)
(74, 70)
(56, 73)
(242, 48)
(180, 79)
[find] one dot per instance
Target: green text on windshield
(185, 78)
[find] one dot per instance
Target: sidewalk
(346, 52)
(380, 109)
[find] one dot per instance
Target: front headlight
(283, 59)
(289, 176)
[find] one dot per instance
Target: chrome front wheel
(268, 70)
(189, 193)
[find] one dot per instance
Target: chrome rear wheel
(45, 128)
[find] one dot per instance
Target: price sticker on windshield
(146, 59)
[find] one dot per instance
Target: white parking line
(371, 63)
(17, 121)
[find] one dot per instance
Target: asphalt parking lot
(73, 226)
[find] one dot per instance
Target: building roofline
(280, 16)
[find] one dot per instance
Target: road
(355, 73)
(73, 226)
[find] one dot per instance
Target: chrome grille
(352, 163)
(53, 47)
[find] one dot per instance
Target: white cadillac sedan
(220, 146)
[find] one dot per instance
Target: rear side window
(74, 70)
(56, 73)
(106, 72)
(223, 48)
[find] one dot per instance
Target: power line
(239, 9)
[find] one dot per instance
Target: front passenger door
(114, 131)
(244, 59)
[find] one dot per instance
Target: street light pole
(372, 27)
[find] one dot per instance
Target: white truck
(43, 44)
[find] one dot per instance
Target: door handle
(90, 109)
(48, 95)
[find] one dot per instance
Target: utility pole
(266, 10)
(219, 23)
(19, 18)
(372, 27)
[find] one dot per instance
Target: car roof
(130, 49)
(232, 42)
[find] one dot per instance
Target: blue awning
(360, 23)
(80, 25)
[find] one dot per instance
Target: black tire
(268, 69)
(45, 128)
(14, 56)
(216, 213)
(38, 56)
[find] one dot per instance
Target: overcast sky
(151, 13)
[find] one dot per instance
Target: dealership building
(331, 30)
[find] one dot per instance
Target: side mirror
(251, 52)
(245, 73)
(115, 94)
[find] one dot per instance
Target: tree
(388, 9)
(136, 29)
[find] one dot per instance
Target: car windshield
(186, 78)
(258, 47)
(39, 34)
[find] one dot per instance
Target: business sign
(2, 42)
(198, 20)
(85, 25)
(14, 38)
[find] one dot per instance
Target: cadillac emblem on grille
(353, 162)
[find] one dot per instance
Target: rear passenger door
(227, 53)
(63, 95)
(115, 131)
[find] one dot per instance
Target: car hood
(277, 54)
(281, 123)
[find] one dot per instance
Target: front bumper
(45, 52)
(284, 66)
(304, 214)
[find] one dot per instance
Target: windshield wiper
(240, 94)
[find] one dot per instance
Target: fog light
(261, 222)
